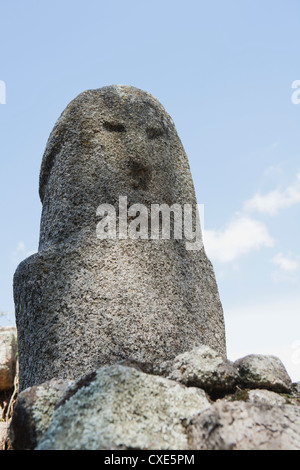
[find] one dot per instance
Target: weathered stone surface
(82, 302)
(259, 371)
(202, 367)
(246, 426)
(266, 397)
(260, 396)
(3, 435)
(121, 408)
(32, 413)
(8, 354)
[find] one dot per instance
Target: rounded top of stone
(112, 105)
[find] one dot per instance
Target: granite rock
(246, 426)
(83, 302)
(129, 406)
(202, 367)
(261, 396)
(32, 413)
(266, 397)
(260, 371)
(119, 407)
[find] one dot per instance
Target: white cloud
(20, 253)
(286, 269)
(285, 263)
(275, 170)
(275, 200)
(245, 234)
(238, 238)
(279, 276)
(266, 328)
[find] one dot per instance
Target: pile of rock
(197, 401)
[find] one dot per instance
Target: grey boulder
(33, 411)
(261, 371)
(202, 367)
(246, 426)
(122, 408)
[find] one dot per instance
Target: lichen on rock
(124, 408)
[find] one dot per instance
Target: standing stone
(84, 302)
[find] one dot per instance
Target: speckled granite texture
(81, 302)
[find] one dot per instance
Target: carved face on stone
(111, 142)
(83, 302)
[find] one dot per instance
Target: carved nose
(140, 169)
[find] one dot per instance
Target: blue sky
(224, 72)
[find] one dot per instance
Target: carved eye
(154, 132)
(114, 127)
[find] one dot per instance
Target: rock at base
(246, 426)
(202, 367)
(122, 408)
(133, 405)
(261, 371)
(33, 411)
